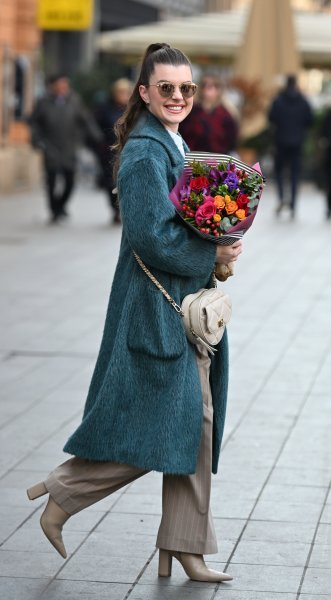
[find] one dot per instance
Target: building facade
(19, 54)
(20, 51)
(127, 13)
(312, 5)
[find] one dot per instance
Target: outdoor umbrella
(268, 51)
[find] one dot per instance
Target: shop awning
(219, 35)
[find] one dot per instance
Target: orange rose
(231, 207)
(240, 213)
(227, 199)
(219, 202)
(217, 218)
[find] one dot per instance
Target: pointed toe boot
(52, 519)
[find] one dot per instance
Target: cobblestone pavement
(271, 498)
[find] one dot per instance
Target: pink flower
(205, 211)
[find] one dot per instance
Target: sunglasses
(166, 89)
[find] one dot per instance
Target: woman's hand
(228, 254)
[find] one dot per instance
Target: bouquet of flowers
(217, 196)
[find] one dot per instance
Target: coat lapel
(150, 127)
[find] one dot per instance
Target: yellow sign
(65, 14)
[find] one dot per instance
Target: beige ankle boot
(193, 565)
(52, 519)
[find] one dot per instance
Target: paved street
(271, 499)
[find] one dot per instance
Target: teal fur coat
(144, 405)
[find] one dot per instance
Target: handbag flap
(209, 312)
(217, 311)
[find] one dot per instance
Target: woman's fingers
(237, 248)
(226, 254)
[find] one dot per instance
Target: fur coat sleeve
(149, 218)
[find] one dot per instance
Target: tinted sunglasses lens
(166, 89)
(188, 89)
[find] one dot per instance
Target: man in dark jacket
(106, 114)
(59, 123)
(290, 115)
(326, 137)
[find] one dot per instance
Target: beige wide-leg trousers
(186, 524)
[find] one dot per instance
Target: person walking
(210, 127)
(156, 402)
(326, 138)
(59, 123)
(107, 114)
(290, 115)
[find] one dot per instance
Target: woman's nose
(177, 95)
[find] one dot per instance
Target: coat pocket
(155, 329)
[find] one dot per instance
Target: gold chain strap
(159, 286)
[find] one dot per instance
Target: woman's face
(209, 90)
(170, 111)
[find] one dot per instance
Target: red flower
(198, 183)
(204, 212)
(242, 201)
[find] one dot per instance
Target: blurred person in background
(59, 124)
(326, 137)
(211, 127)
(106, 114)
(291, 116)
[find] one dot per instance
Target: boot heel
(36, 491)
(165, 563)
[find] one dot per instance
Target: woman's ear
(143, 91)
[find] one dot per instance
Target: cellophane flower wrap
(217, 196)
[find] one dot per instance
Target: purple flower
(214, 174)
(231, 180)
(185, 192)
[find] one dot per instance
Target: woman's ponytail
(153, 48)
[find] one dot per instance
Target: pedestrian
(326, 137)
(211, 127)
(290, 115)
(59, 123)
(107, 113)
(156, 402)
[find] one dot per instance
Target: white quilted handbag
(205, 313)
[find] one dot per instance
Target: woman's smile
(175, 108)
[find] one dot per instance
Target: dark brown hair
(155, 54)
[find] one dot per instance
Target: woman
(150, 404)
(212, 126)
